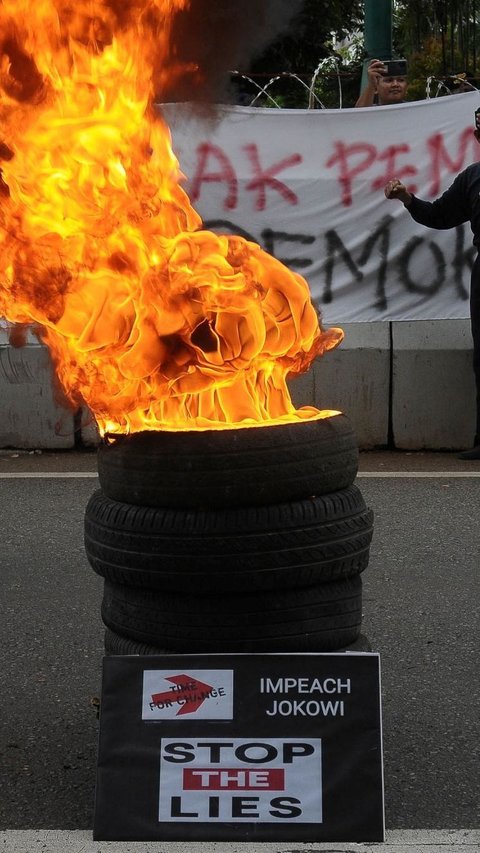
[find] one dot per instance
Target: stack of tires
(242, 540)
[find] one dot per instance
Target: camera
(395, 68)
(477, 118)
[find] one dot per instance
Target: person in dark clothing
(459, 203)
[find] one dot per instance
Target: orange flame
(152, 322)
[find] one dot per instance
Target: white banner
(307, 185)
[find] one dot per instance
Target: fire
(151, 321)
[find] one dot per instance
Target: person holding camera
(386, 83)
(459, 203)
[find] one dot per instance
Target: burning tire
(273, 547)
(116, 644)
(318, 618)
(242, 540)
(253, 466)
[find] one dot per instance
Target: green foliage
(423, 64)
(299, 52)
(309, 35)
(447, 28)
(438, 38)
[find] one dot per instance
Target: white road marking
(397, 841)
(419, 474)
(49, 475)
(383, 475)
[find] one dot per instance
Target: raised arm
(375, 69)
(449, 210)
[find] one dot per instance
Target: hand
(376, 68)
(395, 189)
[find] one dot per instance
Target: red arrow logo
(189, 693)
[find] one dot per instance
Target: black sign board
(240, 747)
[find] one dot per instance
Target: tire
(115, 644)
(253, 466)
(317, 618)
(275, 547)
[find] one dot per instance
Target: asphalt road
(420, 612)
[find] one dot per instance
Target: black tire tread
(230, 467)
(295, 544)
(116, 644)
(324, 611)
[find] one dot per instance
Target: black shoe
(474, 453)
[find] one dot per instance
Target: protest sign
(252, 746)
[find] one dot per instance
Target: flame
(151, 321)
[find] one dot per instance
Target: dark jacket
(459, 203)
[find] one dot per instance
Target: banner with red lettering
(307, 185)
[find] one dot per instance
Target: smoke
(214, 37)
(192, 44)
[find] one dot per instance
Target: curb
(397, 841)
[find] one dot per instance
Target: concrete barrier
(433, 388)
(33, 414)
(354, 378)
(405, 385)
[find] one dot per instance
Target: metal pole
(377, 32)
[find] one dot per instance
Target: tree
(447, 28)
(438, 37)
(298, 52)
